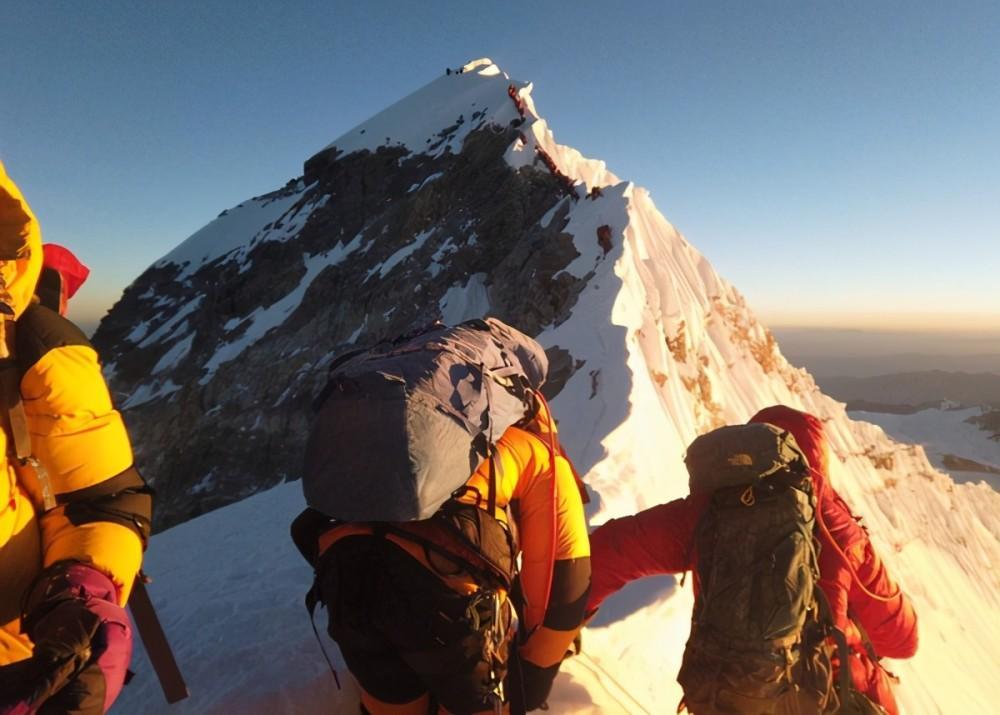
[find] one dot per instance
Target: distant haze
(834, 352)
(827, 352)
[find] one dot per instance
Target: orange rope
(843, 556)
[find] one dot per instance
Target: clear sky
(838, 162)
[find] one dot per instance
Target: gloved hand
(528, 685)
(576, 647)
(83, 644)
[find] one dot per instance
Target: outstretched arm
(655, 541)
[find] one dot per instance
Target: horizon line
(984, 324)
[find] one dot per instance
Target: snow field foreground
(229, 589)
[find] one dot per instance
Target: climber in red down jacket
(863, 597)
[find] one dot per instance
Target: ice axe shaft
(157, 646)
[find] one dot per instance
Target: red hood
(808, 432)
(73, 272)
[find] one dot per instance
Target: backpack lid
(741, 454)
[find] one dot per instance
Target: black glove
(82, 645)
(528, 685)
(576, 648)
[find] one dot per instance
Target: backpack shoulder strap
(11, 371)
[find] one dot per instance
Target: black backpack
(758, 639)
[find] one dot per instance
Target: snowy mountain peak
(455, 103)
(455, 202)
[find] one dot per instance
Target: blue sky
(838, 162)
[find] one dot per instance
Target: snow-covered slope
(944, 434)
(649, 346)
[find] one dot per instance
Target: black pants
(404, 633)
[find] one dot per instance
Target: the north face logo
(740, 460)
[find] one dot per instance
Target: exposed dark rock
(988, 422)
(562, 366)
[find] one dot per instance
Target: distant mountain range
(830, 352)
(912, 391)
(822, 363)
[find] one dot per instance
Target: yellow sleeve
(75, 431)
(81, 441)
(113, 549)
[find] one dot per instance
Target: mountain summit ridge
(217, 350)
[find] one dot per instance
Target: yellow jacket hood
(20, 247)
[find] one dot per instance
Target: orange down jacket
(76, 434)
(538, 481)
(659, 540)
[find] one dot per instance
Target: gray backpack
(401, 426)
(757, 643)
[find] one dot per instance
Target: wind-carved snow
(536, 136)
(465, 302)
(670, 350)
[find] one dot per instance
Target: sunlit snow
(229, 232)
(416, 121)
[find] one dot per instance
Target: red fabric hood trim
(74, 273)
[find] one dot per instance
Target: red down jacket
(853, 577)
